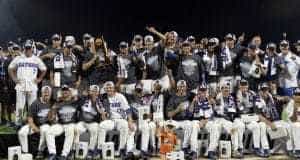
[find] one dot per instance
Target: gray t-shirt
(39, 112)
(175, 102)
(67, 112)
(190, 69)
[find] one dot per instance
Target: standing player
(37, 121)
(91, 109)
(119, 118)
(66, 111)
(24, 72)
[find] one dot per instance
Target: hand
(131, 126)
(233, 130)
(241, 38)
(202, 123)
(273, 127)
(50, 55)
(36, 130)
(151, 29)
(37, 81)
(77, 84)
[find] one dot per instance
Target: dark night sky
(120, 20)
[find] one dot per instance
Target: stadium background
(120, 20)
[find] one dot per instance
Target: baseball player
(225, 113)
(136, 101)
(128, 63)
(248, 104)
(66, 111)
(202, 113)
(177, 108)
(91, 109)
(119, 118)
(293, 114)
(24, 72)
(270, 118)
(37, 121)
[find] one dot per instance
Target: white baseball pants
(212, 129)
(56, 130)
(26, 130)
(92, 128)
(106, 125)
(21, 99)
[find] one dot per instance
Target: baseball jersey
(27, 71)
(67, 112)
(39, 112)
(202, 109)
(246, 102)
(118, 106)
(89, 111)
(288, 78)
(269, 110)
(225, 107)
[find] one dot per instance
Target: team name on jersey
(27, 64)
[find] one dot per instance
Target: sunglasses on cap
(137, 39)
(56, 39)
(284, 45)
(202, 89)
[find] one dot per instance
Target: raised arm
(154, 31)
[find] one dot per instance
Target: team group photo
(160, 80)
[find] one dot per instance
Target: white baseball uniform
(118, 106)
(27, 71)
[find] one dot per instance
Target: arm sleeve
(41, 65)
(13, 63)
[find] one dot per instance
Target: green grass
(7, 130)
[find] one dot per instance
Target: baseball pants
(211, 127)
(229, 128)
(21, 98)
(147, 130)
(56, 130)
(295, 135)
(289, 129)
(92, 128)
(106, 125)
(26, 130)
(187, 127)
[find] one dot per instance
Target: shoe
(89, 155)
(123, 155)
(62, 158)
(145, 155)
(212, 155)
(266, 153)
(185, 150)
(290, 153)
(297, 154)
(258, 152)
(71, 155)
(40, 155)
(52, 157)
(129, 156)
(97, 154)
(193, 155)
(236, 154)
